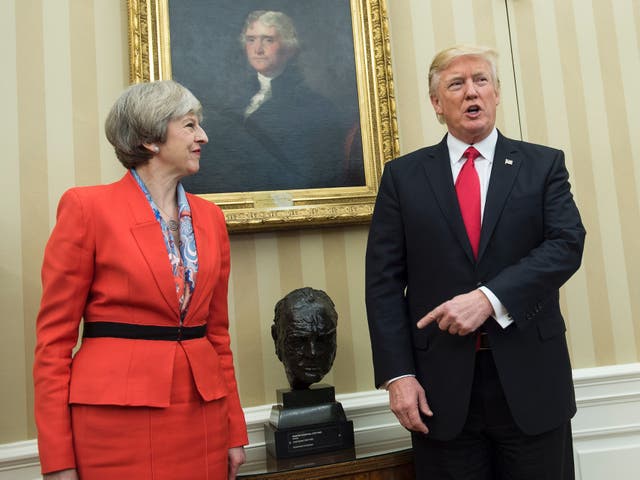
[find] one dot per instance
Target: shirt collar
(265, 82)
(486, 147)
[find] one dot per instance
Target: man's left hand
(461, 315)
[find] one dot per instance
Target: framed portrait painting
(297, 102)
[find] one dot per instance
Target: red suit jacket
(419, 255)
(106, 261)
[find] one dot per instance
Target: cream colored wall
(577, 63)
(64, 63)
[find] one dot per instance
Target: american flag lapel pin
(508, 162)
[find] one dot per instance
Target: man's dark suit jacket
(418, 256)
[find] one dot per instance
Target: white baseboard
(606, 429)
(19, 461)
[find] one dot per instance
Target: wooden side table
(394, 465)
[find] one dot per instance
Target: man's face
(265, 50)
(307, 347)
(467, 98)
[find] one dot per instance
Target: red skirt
(187, 440)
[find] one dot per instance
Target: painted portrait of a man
(278, 90)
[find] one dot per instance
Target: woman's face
(180, 153)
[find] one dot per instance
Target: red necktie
(468, 191)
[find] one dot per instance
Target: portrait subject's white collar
(265, 82)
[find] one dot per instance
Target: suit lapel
(438, 169)
(149, 239)
(506, 164)
(207, 251)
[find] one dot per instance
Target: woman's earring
(156, 148)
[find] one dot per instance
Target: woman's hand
(70, 474)
(236, 458)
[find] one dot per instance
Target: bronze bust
(304, 333)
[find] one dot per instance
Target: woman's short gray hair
(141, 115)
(280, 21)
(443, 59)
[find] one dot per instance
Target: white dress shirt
(483, 165)
(259, 98)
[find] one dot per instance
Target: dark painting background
(209, 59)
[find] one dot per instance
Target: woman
(151, 393)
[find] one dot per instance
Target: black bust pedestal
(306, 422)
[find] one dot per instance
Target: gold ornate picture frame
(249, 209)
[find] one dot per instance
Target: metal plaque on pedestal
(306, 422)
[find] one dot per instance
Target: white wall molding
(19, 461)
(606, 429)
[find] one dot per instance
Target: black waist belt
(142, 332)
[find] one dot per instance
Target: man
(465, 257)
(304, 334)
(275, 132)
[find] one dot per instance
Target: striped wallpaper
(568, 69)
(584, 62)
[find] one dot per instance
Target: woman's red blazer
(106, 260)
